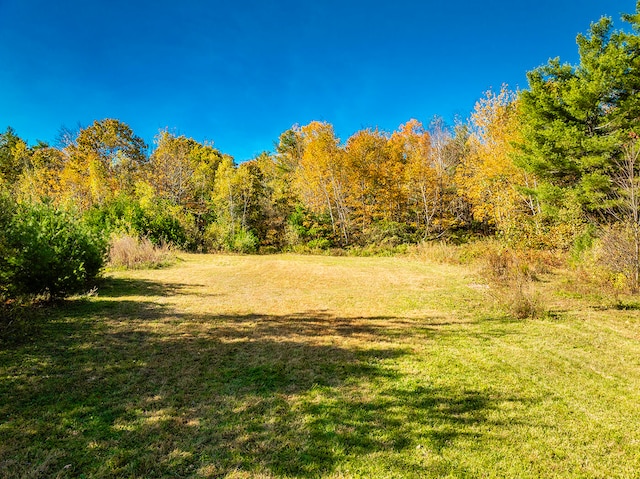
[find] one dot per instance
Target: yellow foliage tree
(321, 176)
(105, 159)
(488, 177)
(182, 172)
(41, 180)
(375, 174)
(430, 162)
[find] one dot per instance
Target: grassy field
(301, 366)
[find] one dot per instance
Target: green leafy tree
(576, 118)
(290, 149)
(143, 215)
(278, 200)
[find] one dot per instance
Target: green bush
(126, 215)
(162, 227)
(582, 244)
(319, 243)
(306, 230)
(121, 214)
(7, 208)
(216, 237)
(244, 242)
(221, 236)
(47, 252)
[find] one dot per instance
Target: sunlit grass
(300, 366)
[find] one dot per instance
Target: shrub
(522, 301)
(221, 236)
(379, 250)
(617, 251)
(157, 220)
(582, 244)
(319, 243)
(244, 242)
(7, 208)
(512, 274)
(48, 252)
(505, 265)
(304, 227)
(216, 237)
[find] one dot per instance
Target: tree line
(552, 166)
(315, 191)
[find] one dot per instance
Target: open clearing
(301, 366)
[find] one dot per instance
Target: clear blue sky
(239, 73)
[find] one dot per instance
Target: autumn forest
(554, 166)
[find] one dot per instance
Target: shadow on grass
(619, 305)
(119, 287)
(121, 388)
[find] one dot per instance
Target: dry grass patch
(130, 252)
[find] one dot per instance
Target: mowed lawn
(337, 367)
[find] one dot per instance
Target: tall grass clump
(130, 252)
(512, 275)
(437, 251)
